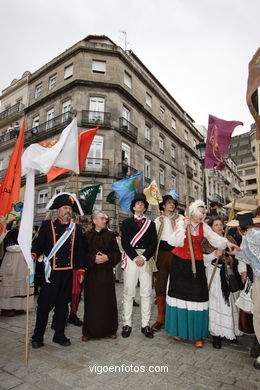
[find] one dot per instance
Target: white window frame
(52, 81)
(147, 133)
(162, 176)
(161, 143)
(173, 152)
(94, 163)
(66, 106)
(40, 202)
(162, 113)
(127, 79)
(99, 66)
(174, 124)
(59, 189)
(174, 181)
(68, 71)
(35, 125)
(38, 90)
(148, 99)
(147, 168)
(49, 118)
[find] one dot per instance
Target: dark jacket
(70, 255)
(148, 241)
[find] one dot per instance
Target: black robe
(100, 307)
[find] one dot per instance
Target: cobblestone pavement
(61, 368)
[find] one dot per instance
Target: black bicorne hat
(65, 199)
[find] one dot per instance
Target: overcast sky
(198, 49)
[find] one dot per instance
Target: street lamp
(201, 148)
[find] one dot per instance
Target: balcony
(41, 208)
(189, 172)
(47, 129)
(147, 180)
(96, 166)
(217, 198)
(127, 128)
(125, 170)
(9, 137)
(96, 118)
(12, 113)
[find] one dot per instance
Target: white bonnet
(193, 208)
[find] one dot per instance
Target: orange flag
(85, 141)
(11, 184)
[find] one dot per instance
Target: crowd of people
(198, 271)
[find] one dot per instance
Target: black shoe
(126, 331)
(257, 364)
(135, 304)
(234, 341)
(37, 344)
(216, 342)
(75, 320)
(147, 331)
(65, 342)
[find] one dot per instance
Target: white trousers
(132, 274)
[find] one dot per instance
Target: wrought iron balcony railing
(127, 128)
(124, 170)
(18, 107)
(96, 118)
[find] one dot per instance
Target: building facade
(141, 126)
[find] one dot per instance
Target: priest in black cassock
(102, 255)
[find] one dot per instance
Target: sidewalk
(63, 368)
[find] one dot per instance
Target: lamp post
(201, 148)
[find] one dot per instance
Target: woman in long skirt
(187, 297)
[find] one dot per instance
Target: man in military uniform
(63, 238)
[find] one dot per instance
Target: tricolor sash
(135, 239)
(57, 246)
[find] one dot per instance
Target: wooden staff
(225, 235)
(193, 263)
(27, 317)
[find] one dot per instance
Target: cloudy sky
(198, 49)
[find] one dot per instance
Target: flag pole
(225, 235)
(27, 317)
(193, 263)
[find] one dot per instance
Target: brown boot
(161, 304)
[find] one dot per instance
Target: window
(65, 110)
(240, 173)
(128, 80)
(98, 66)
(68, 71)
(174, 123)
(248, 171)
(49, 119)
(173, 152)
(96, 109)
(126, 113)
(162, 113)
(147, 134)
(147, 168)
(38, 90)
(161, 144)
(194, 144)
(162, 177)
(186, 135)
(95, 154)
(195, 172)
(52, 81)
(126, 159)
(173, 182)
(35, 125)
(98, 201)
(59, 189)
(42, 201)
(148, 100)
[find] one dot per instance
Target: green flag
(111, 197)
(89, 195)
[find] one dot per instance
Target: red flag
(218, 140)
(253, 84)
(85, 141)
(11, 184)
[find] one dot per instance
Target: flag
(84, 140)
(10, 186)
(89, 194)
(174, 194)
(153, 194)
(64, 154)
(126, 189)
(218, 140)
(253, 85)
(111, 197)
